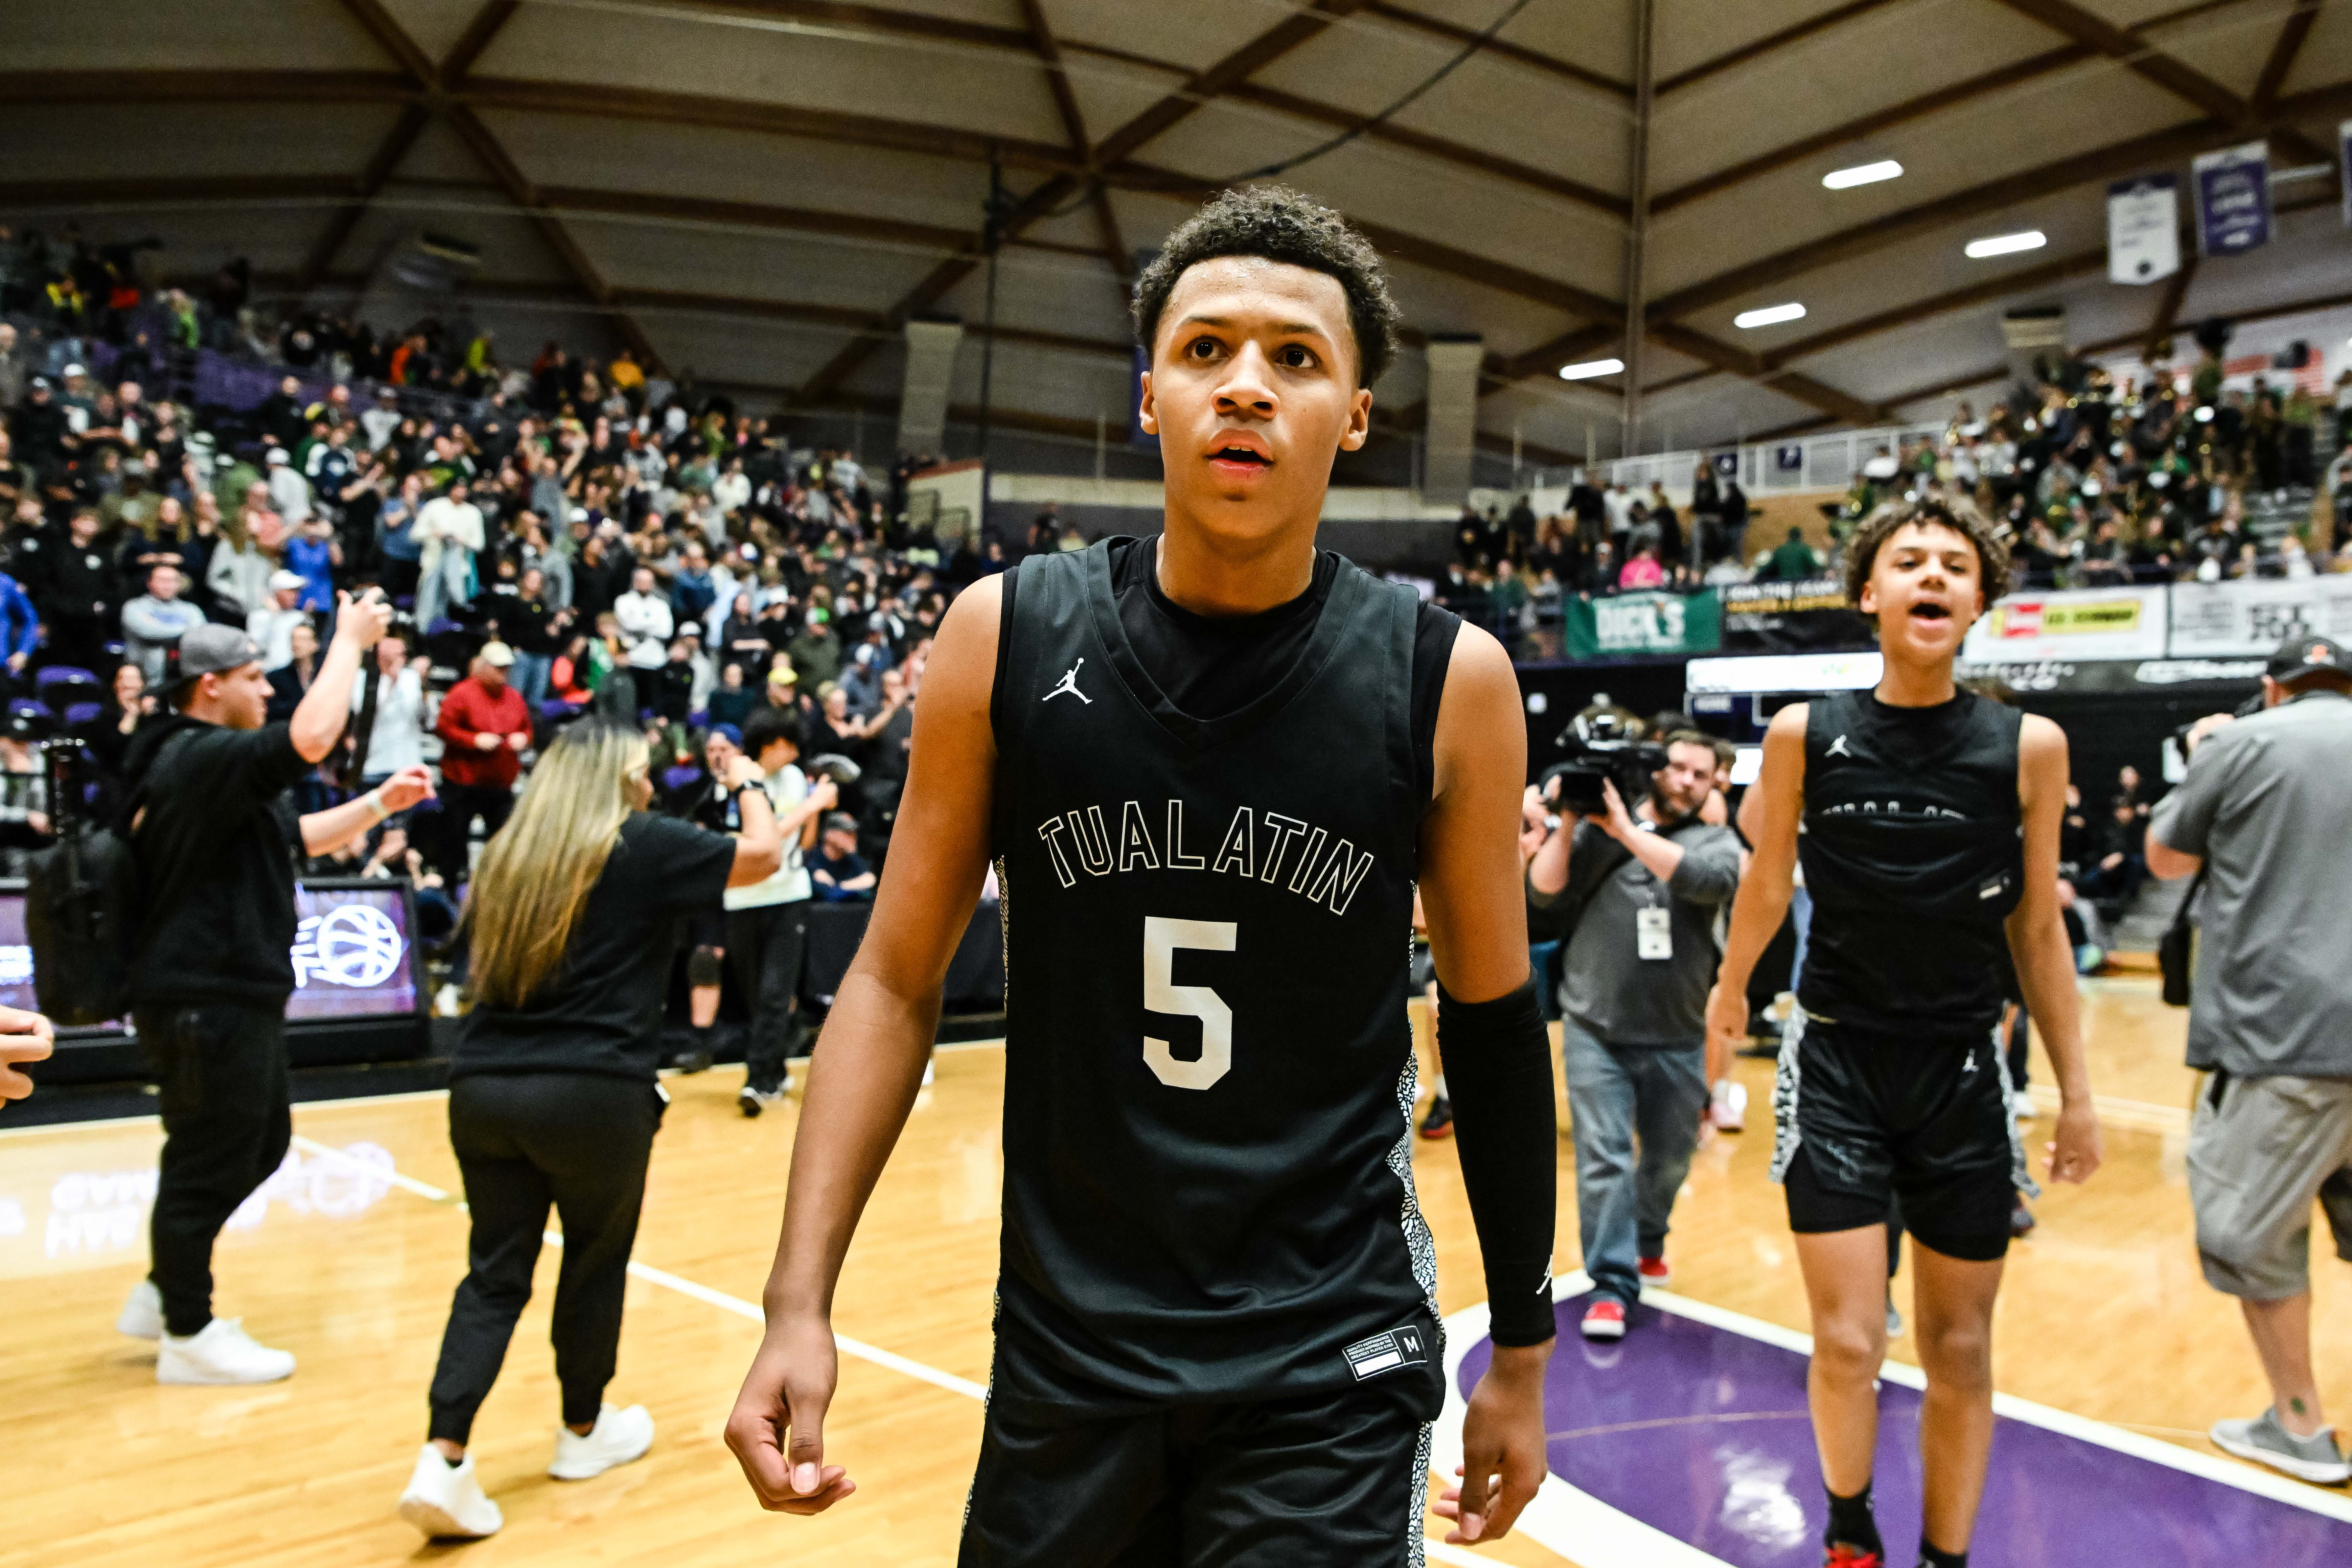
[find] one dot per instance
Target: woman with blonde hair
(552, 1094)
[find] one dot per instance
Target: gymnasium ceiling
(765, 190)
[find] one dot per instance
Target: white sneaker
(1728, 1109)
(143, 1314)
(445, 1501)
(224, 1353)
(751, 1101)
(926, 1074)
(618, 1437)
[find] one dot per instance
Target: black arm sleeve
(1497, 1060)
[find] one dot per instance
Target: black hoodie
(216, 868)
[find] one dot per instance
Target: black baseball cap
(2308, 655)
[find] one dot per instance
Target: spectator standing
(212, 970)
(238, 575)
(291, 682)
(1793, 560)
(536, 633)
(151, 623)
(816, 651)
(77, 594)
(767, 922)
(1639, 891)
(644, 616)
(485, 729)
(395, 740)
(2261, 811)
(289, 489)
(272, 626)
(450, 531)
(395, 536)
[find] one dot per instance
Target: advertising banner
(1776, 618)
(1776, 672)
(2233, 199)
(2252, 617)
(352, 953)
(2144, 229)
(2080, 624)
(2195, 676)
(1630, 623)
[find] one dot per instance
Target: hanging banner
(2233, 199)
(1626, 624)
(2253, 615)
(1776, 618)
(2144, 229)
(2088, 623)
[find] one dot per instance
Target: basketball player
(1213, 766)
(1930, 839)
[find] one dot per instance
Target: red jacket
(469, 711)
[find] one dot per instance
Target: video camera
(1603, 747)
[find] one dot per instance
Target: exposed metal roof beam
(1770, 44)
(2285, 53)
(1568, 71)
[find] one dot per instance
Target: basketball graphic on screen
(357, 946)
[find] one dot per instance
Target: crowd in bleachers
(614, 539)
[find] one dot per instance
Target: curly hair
(1861, 552)
(1280, 224)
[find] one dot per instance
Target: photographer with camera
(2261, 811)
(1638, 890)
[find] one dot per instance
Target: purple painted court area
(1701, 1433)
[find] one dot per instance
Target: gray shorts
(2260, 1151)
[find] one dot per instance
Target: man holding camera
(2262, 808)
(1638, 891)
(213, 964)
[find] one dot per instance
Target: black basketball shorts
(1070, 1478)
(1861, 1117)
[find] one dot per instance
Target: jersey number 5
(1161, 938)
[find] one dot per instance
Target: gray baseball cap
(209, 650)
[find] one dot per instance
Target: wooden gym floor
(348, 1260)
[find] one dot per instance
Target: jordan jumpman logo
(1070, 685)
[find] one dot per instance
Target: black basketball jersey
(1209, 1073)
(1913, 847)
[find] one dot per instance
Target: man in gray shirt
(1642, 889)
(2263, 809)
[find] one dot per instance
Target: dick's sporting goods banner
(2253, 616)
(1629, 623)
(2086, 622)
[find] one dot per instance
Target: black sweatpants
(460, 803)
(220, 1070)
(768, 945)
(525, 1141)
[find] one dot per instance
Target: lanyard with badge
(1653, 923)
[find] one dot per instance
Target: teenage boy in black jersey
(1212, 767)
(1930, 821)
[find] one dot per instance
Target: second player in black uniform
(1212, 767)
(1926, 819)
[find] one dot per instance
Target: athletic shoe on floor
(445, 1501)
(618, 1437)
(1654, 1271)
(1439, 1122)
(1843, 1556)
(2020, 1218)
(1894, 1322)
(692, 1061)
(1604, 1319)
(2314, 1458)
(143, 1314)
(1729, 1107)
(223, 1353)
(755, 1101)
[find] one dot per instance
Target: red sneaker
(1840, 1555)
(1605, 1319)
(1653, 1271)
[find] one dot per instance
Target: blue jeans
(530, 676)
(1616, 1094)
(443, 588)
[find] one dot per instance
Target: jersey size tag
(1386, 1352)
(1653, 933)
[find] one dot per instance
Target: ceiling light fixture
(1591, 368)
(1770, 316)
(1863, 175)
(2007, 244)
